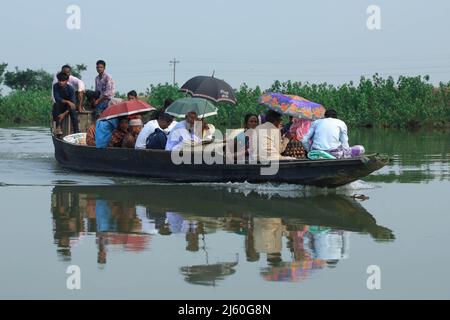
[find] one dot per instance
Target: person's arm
(343, 137)
(308, 136)
(81, 90)
(55, 81)
(72, 99)
(109, 92)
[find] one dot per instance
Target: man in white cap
(134, 128)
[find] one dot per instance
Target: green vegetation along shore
(408, 102)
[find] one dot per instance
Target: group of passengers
(266, 137)
(327, 135)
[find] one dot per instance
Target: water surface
(134, 238)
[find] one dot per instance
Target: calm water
(133, 238)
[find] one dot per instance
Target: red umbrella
(125, 108)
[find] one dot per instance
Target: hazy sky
(249, 41)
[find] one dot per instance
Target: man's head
(62, 79)
(100, 66)
(273, 117)
(167, 103)
(331, 113)
(191, 117)
(164, 120)
(66, 69)
(132, 95)
(123, 124)
(135, 126)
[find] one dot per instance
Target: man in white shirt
(76, 83)
(330, 135)
(164, 122)
(183, 132)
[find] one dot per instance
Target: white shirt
(178, 134)
(148, 129)
(326, 134)
(76, 83)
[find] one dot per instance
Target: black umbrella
(209, 88)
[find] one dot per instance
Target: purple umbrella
(291, 105)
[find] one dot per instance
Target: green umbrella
(203, 107)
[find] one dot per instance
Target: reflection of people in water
(313, 248)
(267, 235)
(119, 223)
(176, 223)
(67, 223)
(115, 223)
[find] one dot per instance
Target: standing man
(76, 83)
(64, 96)
(105, 85)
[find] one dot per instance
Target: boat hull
(157, 164)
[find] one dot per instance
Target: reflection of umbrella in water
(207, 274)
(125, 108)
(292, 271)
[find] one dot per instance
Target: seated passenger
(76, 83)
(241, 142)
(268, 143)
(119, 133)
(64, 95)
(183, 132)
(330, 135)
(90, 136)
(135, 127)
(165, 123)
(207, 130)
(104, 130)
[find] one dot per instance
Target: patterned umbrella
(295, 106)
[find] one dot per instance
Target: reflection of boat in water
(316, 228)
(335, 211)
(158, 164)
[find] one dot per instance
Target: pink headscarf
(299, 128)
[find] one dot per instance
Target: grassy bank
(408, 102)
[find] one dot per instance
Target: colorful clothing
(354, 151)
(90, 136)
(129, 140)
(105, 85)
(103, 131)
(117, 138)
(299, 128)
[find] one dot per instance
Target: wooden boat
(157, 164)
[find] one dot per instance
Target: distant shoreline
(408, 102)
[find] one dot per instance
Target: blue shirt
(104, 130)
(66, 93)
(326, 134)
